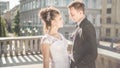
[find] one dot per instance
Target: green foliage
(3, 31)
(16, 23)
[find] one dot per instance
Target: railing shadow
(20, 60)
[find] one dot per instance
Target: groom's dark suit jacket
(85, 46)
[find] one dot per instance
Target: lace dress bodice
(58, 50)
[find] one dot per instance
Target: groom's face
(74, 14)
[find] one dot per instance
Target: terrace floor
(24, 61)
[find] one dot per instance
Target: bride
(53, 44)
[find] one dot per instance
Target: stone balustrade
(107, 59)
(25, 45)
(19, 45)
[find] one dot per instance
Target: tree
(17, 24)
(3, 31)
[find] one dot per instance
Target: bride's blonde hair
(47, 15)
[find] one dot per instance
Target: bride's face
(58, 21)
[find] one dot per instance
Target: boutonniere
(80, 32)
(72, 35)
(77, 31)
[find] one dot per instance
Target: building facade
(4, 6)
(110, 29)
(29, 18)
(29, 14)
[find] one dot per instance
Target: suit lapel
(78, 33)
(79, 29)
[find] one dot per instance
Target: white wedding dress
(58, 50)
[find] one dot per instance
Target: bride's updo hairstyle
(47, 15)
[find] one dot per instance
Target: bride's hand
(69, 48)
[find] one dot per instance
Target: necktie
(76, 26)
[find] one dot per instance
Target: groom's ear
(81, 11)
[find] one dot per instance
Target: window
(86, 3)
(108, 20)
(67, 2)
(28, 5)
(37, 4)
(56, 2)
(108, 10)
(109, 1)
(23, 7)
(116, 32)
(101, 20)
(108, 32)
(48, 2)
(31, 5)
(94, 3)
(34, 4)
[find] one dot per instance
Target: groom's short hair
(78, 5)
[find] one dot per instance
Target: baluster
(23, 43)
(115, 65)
(35, 45)
(5, 48)
(39, 41)
(106, 62)
(26, 46)
(16, 47)
(97, 63)
(17, 42)
(0, 48)
(31, 46)
(13, 47)
(111, 64)
(10, 46)
(21, 46)
(118, 64)
(101, 62)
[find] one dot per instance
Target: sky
(12, 3)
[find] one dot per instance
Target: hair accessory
(48, 16)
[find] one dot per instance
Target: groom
(84, 48)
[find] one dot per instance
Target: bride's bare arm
(45, 48)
